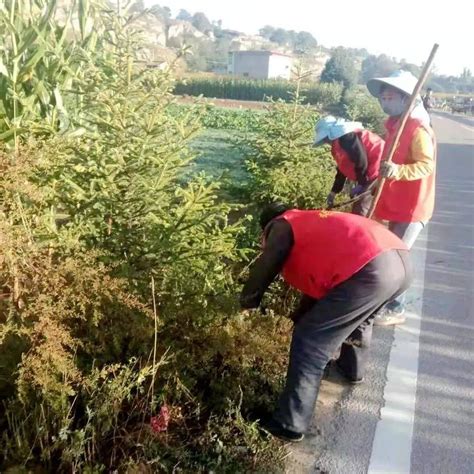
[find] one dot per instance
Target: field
(219, 155)
(319, 94)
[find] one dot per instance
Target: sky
(405, 29)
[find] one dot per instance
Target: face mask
(394, 106)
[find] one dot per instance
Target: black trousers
(344, 316)
(362, 206)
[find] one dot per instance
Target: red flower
(160, 423)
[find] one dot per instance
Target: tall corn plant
(39, 60)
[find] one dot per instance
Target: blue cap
(333, 128)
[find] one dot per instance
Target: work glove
(356, 190)
(389, 170)
(330, 199)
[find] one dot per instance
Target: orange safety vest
(329, 247)
(374, 146)
(406, 201)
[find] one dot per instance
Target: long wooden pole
(401, 125)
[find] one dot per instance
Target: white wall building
(260, 64)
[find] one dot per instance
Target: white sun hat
(404, 81)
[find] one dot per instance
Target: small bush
(359, 105)
(118, 295)
(243, 120)
(282, 162)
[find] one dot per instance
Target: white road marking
(391, 450)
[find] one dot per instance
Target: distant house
(260, 64)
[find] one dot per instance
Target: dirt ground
(228, 103)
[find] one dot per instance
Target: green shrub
(118, 292)
(283, 164)
(359, 105)
(243, 120)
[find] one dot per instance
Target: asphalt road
(444, 416)
(415, 411)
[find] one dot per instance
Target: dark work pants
(345, 313)
(362, 206)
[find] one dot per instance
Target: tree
(301, 40)
(184, 15)
(161, 12)
(281, 165)
(201, 22)
(266, 31)
(281, 37)
(78, 317)
(377, 66)
(305, 41)
(340, 68)
(138, 6)
(217, 28)
(413, 68)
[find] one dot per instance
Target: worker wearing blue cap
(357, 153)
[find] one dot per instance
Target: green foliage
(38, 63)
(205, 55)
(462, 84)
(88, 219)
(359, 105)
(340, 68)
(323, 94)
(119, 269)
(258, 90)
(138, 6)
(117, 189)
(377, 66)
(63, 315)
(282, 162)
(184, 15)
(201, 22)
(245, 120)
(305, 41)
(163, 13)
(298, 41)
(220, 156)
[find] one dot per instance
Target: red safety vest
(374, 146)
(406, 201)
(329, 247)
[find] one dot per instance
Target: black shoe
(351, 380)
(275, 429)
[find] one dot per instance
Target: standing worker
(357, 153)
(347, 267)
(408, 195)
(428, 100)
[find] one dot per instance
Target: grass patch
(221, 157)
